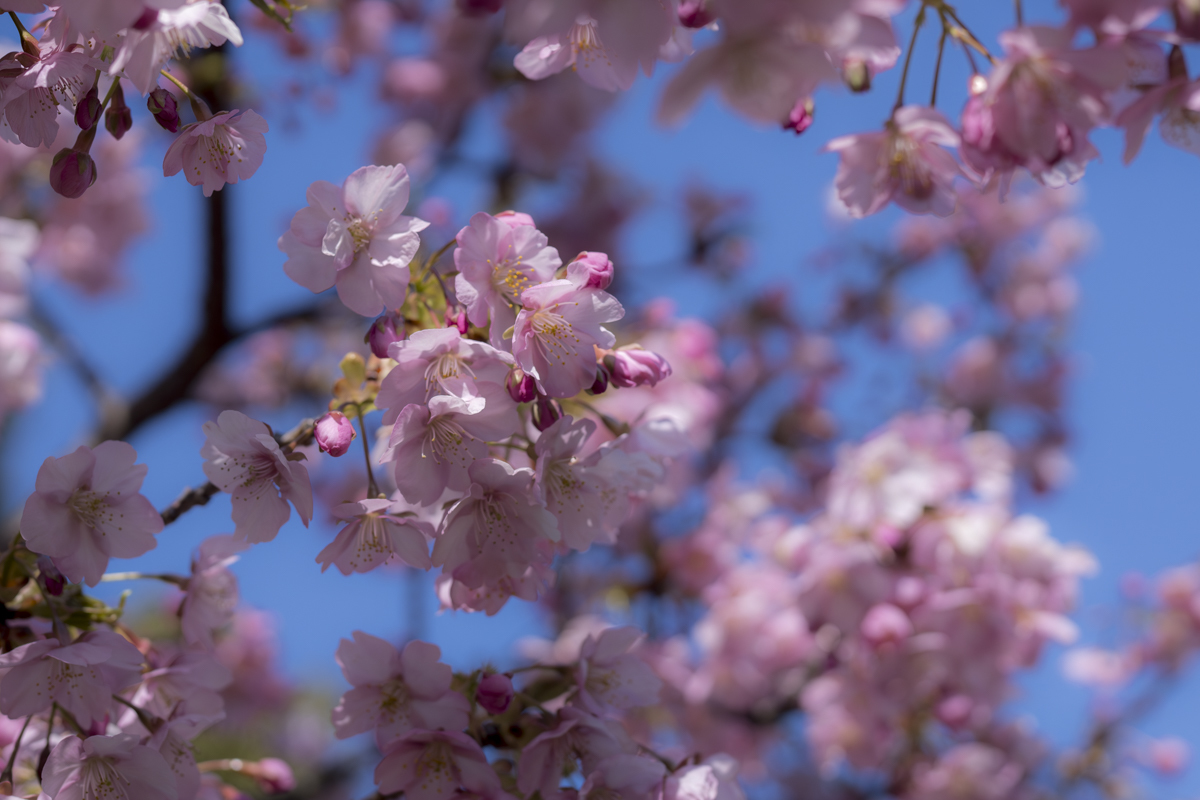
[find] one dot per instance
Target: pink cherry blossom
(226, 148)
(906, 162)
(86, 509)
(81, 676)
(715, 778)
(436, 765)
(625, 776)
(1177, 100)
(578, 738)
(496, 261)
(184, 684)
(374, 536)
(597, 268)
(557, 331)
(357, 238)
(987, 769)
(611, 677)
(395, 691)
(212, 590)
(243, 459)
(438, 361)
(55, 77)
(82, 769)
(144, 50)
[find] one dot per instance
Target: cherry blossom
(374, 535)
(243, 459)
(212, 590)
(626, 776)
(145, 48)
(494, 693)
(611, 676)
(92, 767)
(579, 738)
(56, 76)
(226, 148)
(356, 237)
(334, 433)
(436, 765)
(86, 509)
(715, 778)
(395, 691)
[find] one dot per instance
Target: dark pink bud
(695, 13)
(87, 111)
(634, 366)
(165, 108)
(72, 172)
(52, 579)
(334, 433)
(546, 412)
(479, 8)
(273, 775)
(118, 118)
(597, 268)
(495, 693)
(1187, 19)
(386, 330)
(460, 322)
(801, 116)
(600, 385)
(149, 17)
(521, 387)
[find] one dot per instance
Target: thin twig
(192, 497)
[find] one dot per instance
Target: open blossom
(373, 536)
(86, 509)
(558, 330)
(1178, 101)
(185, 684)
(436, 765)
(438, 361)
(31, 99)
(98, 766)
(395, 691)
(243, 459)
(212, 591)
(906, 162)
(357, 238)
(579, 738)
(626, 776)
(223, 149)
(497, 259)
(80, 677)
(145, 49)
(611, 676)
(715, 778)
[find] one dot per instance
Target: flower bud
(546, 412)
(495, 693)
(600, 385)
(52, 579)
(273, 775)
(479, 8)
(165, 108)
(1187, 19)
(515, 219)
(87, 110)
(334, 433)
(695, 13)
(857, 75)
(72, 172)
(595, 266)
(521, 387)
(118, 119)
(458, 320)
(801, 116)
(387, 329)
(634, 366)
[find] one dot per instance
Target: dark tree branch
(189, 499)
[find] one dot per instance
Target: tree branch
(189, 499)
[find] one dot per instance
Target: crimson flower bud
(495, 693)
(149, 17)
(72, 172)
(801, 116)
(636, 367)
(118, 118)
(521, 387)
(479, 8)
(52, 579)
(458, 320)
(545, 412)
(695, 13)
(334, 433)
(87, 110)
(165, 108)
(596, 266)
(387, 329)
(600, 385)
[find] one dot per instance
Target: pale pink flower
(496, 261)
(186, 684)
(436, 765)
(86, 509)
(715, 778)
(145, 49)
(1178, 101)
(1092, 666)
(626, 776)
(434, 445)
(491, 597)
(611, 676)
(1167, 756)
(20, 366)
(395, 692)
(80, 676)
(558, 330)
(243, 459)
(212, 591)
(374, 536)
(31, 99)
(357, 238)
(578, 738)
(103, 19)
(497, 531)
(438, 361)
(906, 162)
(223, 149)
(83, 769)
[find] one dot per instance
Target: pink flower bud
(387, 329)
(72, 172)
(600, 386)
(695, 13)
(118, 119)
(545, 412)
(52, 579)
(334, 433)
(636, 367)
(597, 268)
(87, 111)
(801, 116)
(273, 775)
(521, 387)
(165, 108)
(515, 219)
(458, 320)
(495, 693)
(479, 8)
(886, 623)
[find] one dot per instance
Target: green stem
(177, 580)
(372, 487)
(7, 775)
